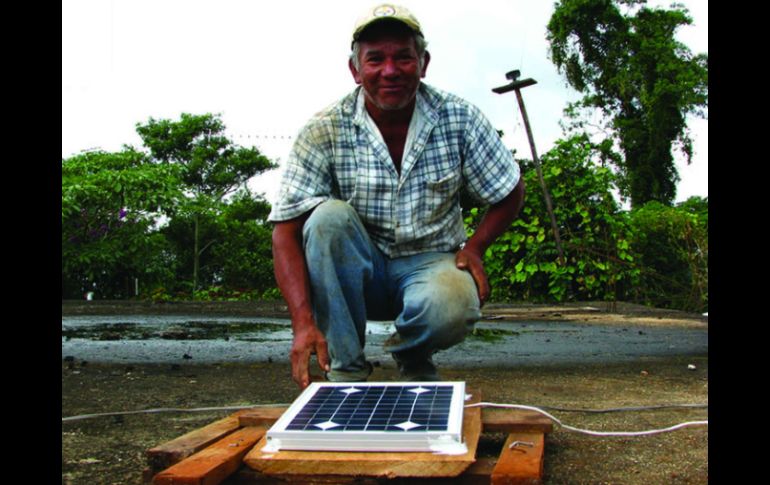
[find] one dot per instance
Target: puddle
(202, 338)
(191, 330)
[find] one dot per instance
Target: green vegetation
(112, 205)
(655, 254)
(171, 220)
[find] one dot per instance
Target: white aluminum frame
(449, 441)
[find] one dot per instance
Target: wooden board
(215, 463)
(171, 452)
(477, 474)
(522, 464)
(372, 464)
(515, 421)
(261, 416)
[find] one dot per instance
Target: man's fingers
(322, 353)
(483, 289)
(476, 269)
(299, 368)
(482, 284)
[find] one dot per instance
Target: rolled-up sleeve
(307, 178)
(489, 169)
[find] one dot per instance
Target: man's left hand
(470, 261)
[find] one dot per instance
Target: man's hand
(470, 261)
(307, 341)
(495, 222)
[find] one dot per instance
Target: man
(368, 223)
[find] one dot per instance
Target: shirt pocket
(440, 197)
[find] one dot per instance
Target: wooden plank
(171, 452)
(261, 416)
(389, 465)
(522, 464)
(215, 463)
(515, 421)
(478, 473)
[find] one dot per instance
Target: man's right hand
(293, 280)
(308, 340)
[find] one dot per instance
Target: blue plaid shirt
(336, 156)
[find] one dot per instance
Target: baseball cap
(386, 11)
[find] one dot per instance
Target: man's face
(389, 71)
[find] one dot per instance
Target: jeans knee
(447, 309)
(330, 219)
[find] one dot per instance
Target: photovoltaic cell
(372, 416)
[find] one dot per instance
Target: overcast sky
(267, 65)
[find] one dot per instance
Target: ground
(111, 449)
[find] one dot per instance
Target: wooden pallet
(228, 451)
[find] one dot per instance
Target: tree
(239, 251)
(244, 256)
(671, 244)
(644, 82)
(211, 166)
(110, 204)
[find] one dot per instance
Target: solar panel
(373, 416)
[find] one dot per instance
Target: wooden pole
(546, 194)
(517, 86)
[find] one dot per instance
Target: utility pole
(517, 86)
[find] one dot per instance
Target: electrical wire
(517, 406)
(588, 431)
(625, 409)
(171, 410)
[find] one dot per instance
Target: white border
(449, 441)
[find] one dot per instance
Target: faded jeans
(433, 304)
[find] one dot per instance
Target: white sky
(267, 65)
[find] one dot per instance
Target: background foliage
(129, 216)
(656, 254)
(171, 219)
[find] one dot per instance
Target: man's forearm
(497, 220)
(293, 280)
(290, 268)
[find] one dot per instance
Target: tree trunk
(196, 257)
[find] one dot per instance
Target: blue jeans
(433, 304)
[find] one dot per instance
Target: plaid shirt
(335, 156)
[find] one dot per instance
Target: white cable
(485, 404)
(626, 409)
(588, 431)
(170, 410)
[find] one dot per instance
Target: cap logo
(384, 11)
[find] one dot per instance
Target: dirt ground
(111, 449)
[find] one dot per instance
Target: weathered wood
(215, 463)
(171, 452)
(478, 473)
(401, 464)
(261, 416)
(522, 464)
(515, 421)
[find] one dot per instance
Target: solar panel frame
(318, 430)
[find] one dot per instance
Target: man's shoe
(416, 370)
(350, 376)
